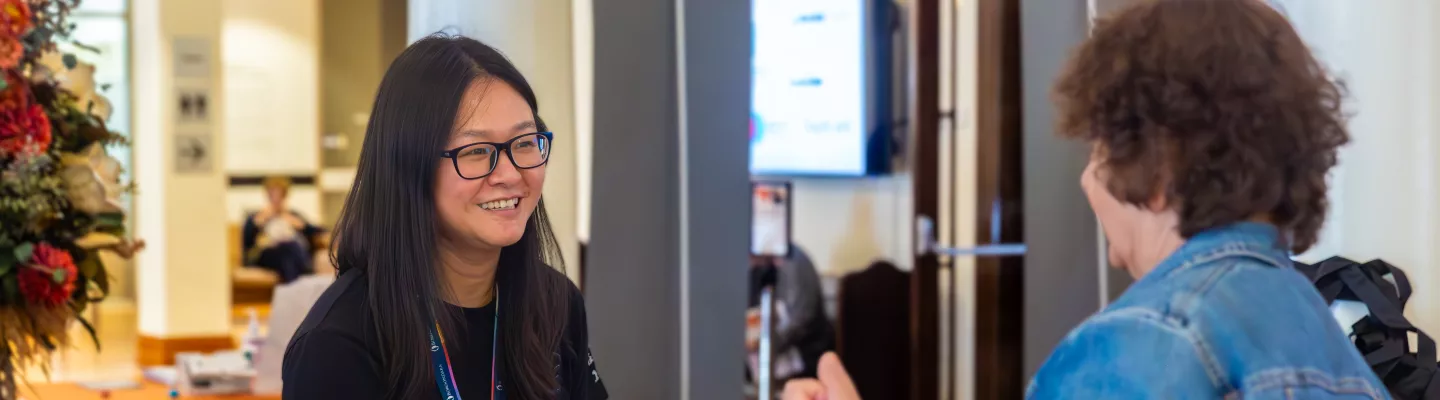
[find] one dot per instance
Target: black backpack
(1382, 336)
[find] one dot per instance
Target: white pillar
(183, 277)
(535, 35)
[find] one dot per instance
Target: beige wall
(359, 38)
(271, 58)
(844, 224)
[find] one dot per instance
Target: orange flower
(15, 17)
(24, 127)
(11, 50)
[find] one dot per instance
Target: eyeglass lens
(528, 151)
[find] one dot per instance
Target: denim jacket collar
(1242, 239)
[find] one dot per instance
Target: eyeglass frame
(454, 154)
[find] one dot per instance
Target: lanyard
(440, 358)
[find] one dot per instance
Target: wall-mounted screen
(811, 103)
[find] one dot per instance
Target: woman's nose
(505, 171)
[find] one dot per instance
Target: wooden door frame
(999, 282)
(924, 280)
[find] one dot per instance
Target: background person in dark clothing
(278, 238)
(802, 331)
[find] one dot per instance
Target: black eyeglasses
(478, 160)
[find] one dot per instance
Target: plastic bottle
(253, 341)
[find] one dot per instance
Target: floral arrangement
(59, 190)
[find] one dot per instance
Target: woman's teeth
(500, 204)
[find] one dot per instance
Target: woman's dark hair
(1215, 104)
(389, 225)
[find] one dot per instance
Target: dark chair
(874, 330)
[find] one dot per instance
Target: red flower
(37, 282)
(24, 128)
(15, 17)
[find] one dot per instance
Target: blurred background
(900, 195)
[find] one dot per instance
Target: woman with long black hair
(447, 287)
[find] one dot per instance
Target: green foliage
(11, 283)
(24, 251)
(89, 264)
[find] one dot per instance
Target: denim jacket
(1225, 316)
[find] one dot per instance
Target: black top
(335, 354)
(250, 234)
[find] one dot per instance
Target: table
(147, 391)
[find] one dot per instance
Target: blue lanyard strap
(440, 359)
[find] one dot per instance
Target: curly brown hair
(1217, 105)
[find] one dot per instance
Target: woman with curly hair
(1212, 128)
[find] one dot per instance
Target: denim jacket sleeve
(1158, 360)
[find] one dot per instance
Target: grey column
(1062, 271)
(666, 269)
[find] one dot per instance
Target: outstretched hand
(834, 383)
(127, 248)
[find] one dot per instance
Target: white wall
(1384, 191)
(271, 58)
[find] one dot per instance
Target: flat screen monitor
(770, 219)
(815, 95)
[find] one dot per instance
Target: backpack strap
(1326, 279)
(1402, 288)
(1423, 378)
(1382, 307)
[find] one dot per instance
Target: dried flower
(92, 181)
(49, 280)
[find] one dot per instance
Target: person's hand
(263, 216)
(294, 221)
(127, 248)
(834, 383)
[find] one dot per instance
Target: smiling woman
(447, 285)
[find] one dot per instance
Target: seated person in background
(277, 238)
(1212, 128)
(802, 331)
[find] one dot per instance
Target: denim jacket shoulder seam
(1190, 297)
(1228, 250)
(1169, 323)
